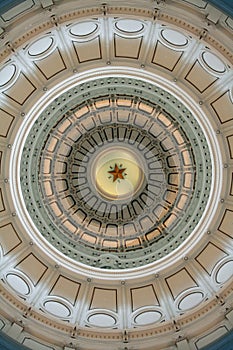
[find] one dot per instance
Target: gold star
(117, 173)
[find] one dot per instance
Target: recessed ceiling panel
(9, 238)
(165, 57)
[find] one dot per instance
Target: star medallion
(117, 173)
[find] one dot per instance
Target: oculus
(109, 171)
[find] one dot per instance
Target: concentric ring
(63, 201)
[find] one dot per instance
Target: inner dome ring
(156, 92)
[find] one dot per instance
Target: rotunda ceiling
(116, 150)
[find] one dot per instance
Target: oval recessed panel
(56, 308)
(102, 320)
(173, 37)
(18, 284)
(148, 317)
(84, 28)
(213, 62)
(191, 300)
(225, 272)
(129, 25)
(7, 73)
(40, 46)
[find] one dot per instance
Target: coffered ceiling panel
(66, 288)
(221, 106)
(7, 120)
(51, 65)
(199, 78)
(210, 251)
(166, 57)
(88, 50)
(21, 90)
(150, 297)
(9, 238)
(32, 267)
